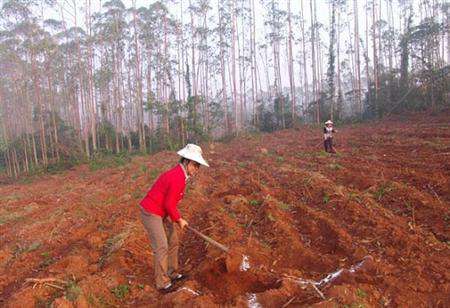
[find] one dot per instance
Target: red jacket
(163, 197)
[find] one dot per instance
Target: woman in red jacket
(159, 207)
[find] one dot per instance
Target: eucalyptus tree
(224, 30)
(111, 26)
(332, 59)
(424, 40)
(313, 39)
(129, 77)
(334, 56)
(291, 62)
(30, 47)
(357, 57)
(274, 22)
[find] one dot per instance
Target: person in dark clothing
(328, 131)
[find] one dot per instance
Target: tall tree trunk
(291, 64)
(448, 32)
(305, 63)
(3, 120)
(164, 86)
(37, 95)
(138, 80)
(375, 54)
(25, 155)
(194, 75)
(206, 76)
(222, 67)
(16, 166)
(91, 90)
(313, 62)
(81, 85)
(357, 57)
(331, 68)
(53, 115)
(150, 97)
(241, 68)
(338, 55)
(233, 64)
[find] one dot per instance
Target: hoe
(233, 259)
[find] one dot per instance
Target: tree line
(106, 78)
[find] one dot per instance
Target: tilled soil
(367, 227)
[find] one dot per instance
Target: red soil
(298, 213)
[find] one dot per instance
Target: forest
(86, 79)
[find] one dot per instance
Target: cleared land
(379, 210)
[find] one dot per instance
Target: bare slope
(374, 219)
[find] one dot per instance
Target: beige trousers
(165, 248)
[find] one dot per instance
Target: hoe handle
(209, 240)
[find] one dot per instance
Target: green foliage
(111, 200)
(62, 165)
(47, 259)
(322, 154)
(153, 174)
(275, 114)
(25, 249)
(382, 190)
(121, 291)
(137, 193)
(284, 206)
(109, 161)
(112, 245)
(106, 131)
(11, 217)
(280, 159)
(242, 164)
(426, 84)
(355, 196)
(361, 293)
(73, 291)
(173, 145)
(254, 202)
(326, 198)
(354, 305)
(271, 218)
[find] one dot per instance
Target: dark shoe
(178, 277)
(167, 289)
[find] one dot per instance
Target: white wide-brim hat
(329, 122)
(193, 152)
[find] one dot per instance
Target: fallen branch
(51, 282)
(318, 291)
(54, 286)
(288, 302)
(437, 196)
(45, 280)
(250, 223)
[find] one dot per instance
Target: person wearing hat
(159, 208)
(328, 131)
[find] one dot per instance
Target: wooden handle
(209, 240)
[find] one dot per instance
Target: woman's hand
(182, 223)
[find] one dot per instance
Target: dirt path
(367, 227)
